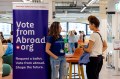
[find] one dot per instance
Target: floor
(106, 73)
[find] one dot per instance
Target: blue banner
(30, 26)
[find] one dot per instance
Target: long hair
(54, 30)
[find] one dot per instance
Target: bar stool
(72, 60)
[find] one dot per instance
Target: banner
(30, 26)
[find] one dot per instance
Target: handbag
(84, 59)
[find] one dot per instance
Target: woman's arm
(89, 49)
(48, 45)
(104, 46)
(91, 43)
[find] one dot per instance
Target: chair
(6, 70)
(77, 53)
(72, 60)
(8, 59)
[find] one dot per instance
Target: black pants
(93, 68)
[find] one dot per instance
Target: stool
(74, 61)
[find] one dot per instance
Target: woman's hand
(56, 57)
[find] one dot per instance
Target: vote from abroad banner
(30, 26)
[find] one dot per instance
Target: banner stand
(30, 27)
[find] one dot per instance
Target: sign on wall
(30, 24)
(116, 44)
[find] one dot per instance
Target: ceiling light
(27, 0)
(83, 9)
(91, 2)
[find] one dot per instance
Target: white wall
(116, 34)
(119, 37)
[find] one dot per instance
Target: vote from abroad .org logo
(27, 29)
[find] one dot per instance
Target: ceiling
(6, 10)
(63, 8)
(75, 6)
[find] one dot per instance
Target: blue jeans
(71, 47)
(58, 66)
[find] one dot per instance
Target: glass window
(77, 27)
(64, 28)
(6, 29)
(88, 30)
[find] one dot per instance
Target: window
(64, 28)
(77, 27)
(88, 30)
(6, 29)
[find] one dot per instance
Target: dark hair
(4, 41)
(80, 31)
(54, 30)
(94, 20)
(75, 33)
(8, 41)
(11, 32)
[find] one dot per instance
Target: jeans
(58, 66)
(71, 47)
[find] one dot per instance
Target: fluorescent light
(83, 9)
(91, 2)
(27, 0)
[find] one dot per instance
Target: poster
(30, 24)
(116, 44)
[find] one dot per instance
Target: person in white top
(1, 61)
(97, 45)
(81, 35)
(71, 40)
(76, 39)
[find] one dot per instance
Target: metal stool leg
(70, 72)
(74, 70)
(79, 72)
(82, 72)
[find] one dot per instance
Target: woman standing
(83, 36)
(55, 48)
(71, 40)
(97, 45)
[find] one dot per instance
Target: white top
(71, 39)
(98, 45)
(76, 38)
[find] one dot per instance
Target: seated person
(8, 47)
